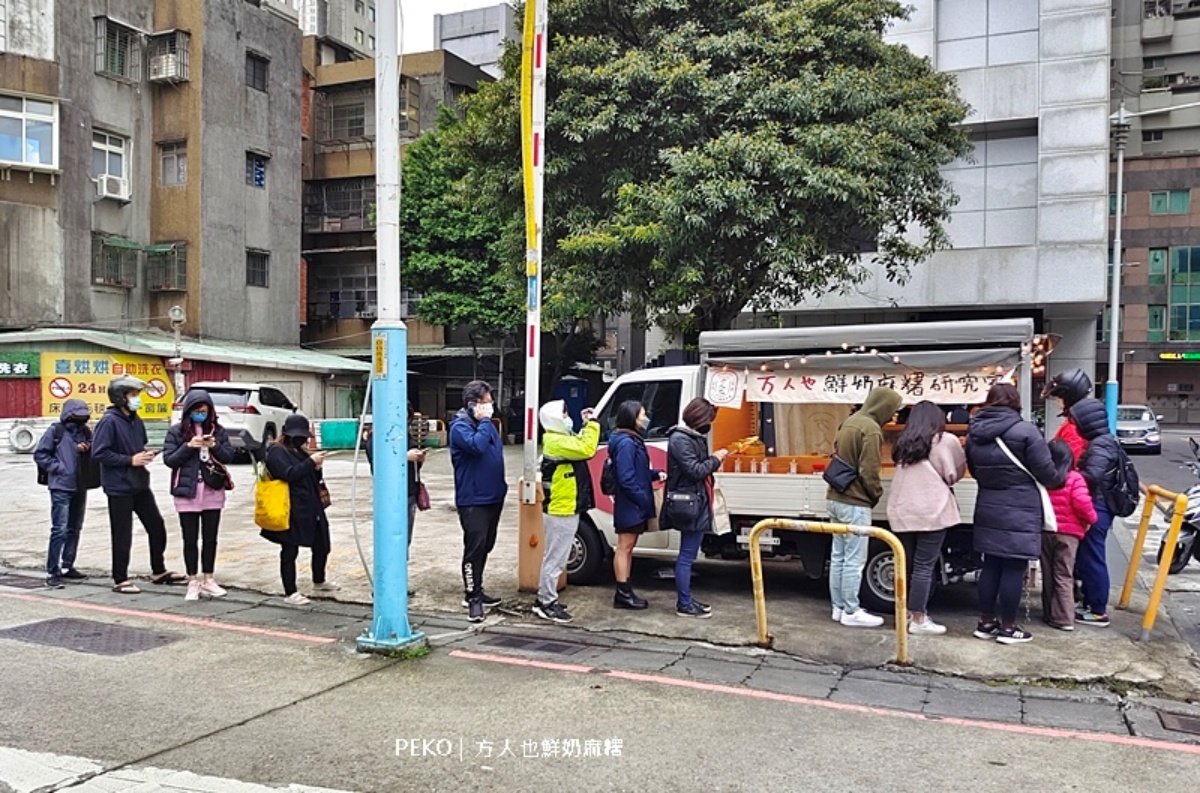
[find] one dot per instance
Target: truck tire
(878, 590)
(588, 554)
(22, 439)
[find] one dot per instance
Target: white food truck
(787, 390)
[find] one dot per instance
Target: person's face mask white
(569, 424)
(135, 403)
(486, 410)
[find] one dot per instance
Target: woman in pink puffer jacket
(1075, 514)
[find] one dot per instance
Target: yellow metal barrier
(1154, 493)
(815, 527)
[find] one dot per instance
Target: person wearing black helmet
(119, 446)
(1068, 388)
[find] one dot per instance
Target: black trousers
(197, 525)
(287, 566)
(922, 549)
(121, 510)
(1002, 579)
(479, 526)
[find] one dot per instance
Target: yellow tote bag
(272, 501)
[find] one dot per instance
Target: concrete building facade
(150, 157)
(350, 23)
(478, 36)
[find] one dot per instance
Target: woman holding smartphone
(197, 450)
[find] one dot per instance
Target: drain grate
(1177, 723)
(21, 582)
(536, 645)
(88, 636)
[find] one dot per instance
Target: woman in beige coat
(921, 505)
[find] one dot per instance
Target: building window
(339, 205)
(258, 268)
(1149, 64)
(358, 36)
(28, 131)
(108, 155)
(1174, 202)
(344, 291)
(114, 261)
(1106, 324)
(4, 25)
(411, 122)
(166, 267)
(256, 169)
(371, 13)
(118, 50)
(1152, 136)
(1112, 204)
(173, 159)
(1184, 295)
(1156, 323)
(1156, 270)
(371, 42)
(359, 7)
(256, 71)
(348, 121)
(169, 54)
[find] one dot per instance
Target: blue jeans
(849, 556)
(1091, 562)
(689, 549)
(66, 522)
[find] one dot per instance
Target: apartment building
(1156, 76)
(350, 23)
(478, 36)
(150, 157)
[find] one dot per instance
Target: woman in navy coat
(633, 503)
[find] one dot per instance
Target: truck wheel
(878, 591)
(587, 555)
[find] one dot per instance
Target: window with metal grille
(339, 205)
(258, 268)
(166, 267)
(118, 50)
(256, 71)
(343, 291)
(169, 55)
(411, 120)
(256, 169)
(348, 121)
(173, 158)
(28, 131)
(114, 261)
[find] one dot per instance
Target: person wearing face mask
(60, 453)
(288, 460)
(119, 446)
(568, 487)
(688, 504)
(197, 449)
(633, 503)
(477, 454)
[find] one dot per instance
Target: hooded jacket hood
(1090, 417)
(551, 416)
(196, 397)
(992, 422)
(74, 408)
(881, 404)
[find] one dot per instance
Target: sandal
(127, 588)
(168, 577)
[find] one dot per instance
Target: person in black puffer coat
(1008, 509)
(1099, 464)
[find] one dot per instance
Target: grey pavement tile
(1004, 707)
(711, 670)
(1069, 695)
(962, 684)
(816, 685)
(879, 694)
(899, 677)
(1065, 714)
(1169, 705)
(207, 608)
(342, 609)
(787, 662)
(633, 660)
(148, 600)
(1146, 723)
(724, 656)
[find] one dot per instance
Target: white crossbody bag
(1049, 521)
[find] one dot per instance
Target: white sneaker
(927, 628)
(296, 599)
(837, 614)
(861, 619)
(193, 590)
(327, 586)
(212, 589)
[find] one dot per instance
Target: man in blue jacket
(119, 446)
(57, 454)
(479, 489)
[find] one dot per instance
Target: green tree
(704, 156)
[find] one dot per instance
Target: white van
(791, 388)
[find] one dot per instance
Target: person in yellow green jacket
(568, 488)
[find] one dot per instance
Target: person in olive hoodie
(859, 443)
(197, 449)
(1100, 464)
(119, 446)
(1009, 458)
(59, 453)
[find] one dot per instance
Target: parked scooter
(1187, 547)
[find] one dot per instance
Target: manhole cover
(512, 642)
(558, 648)
(536, 645)
(1177, 723)
(21, 582)
(87, 636)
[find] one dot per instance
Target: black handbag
(215, 475)
(681, 510)
(839, 474)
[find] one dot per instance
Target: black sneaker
(693, 609)
(552, 612)
(54, 582)
(475, 610)
(702, 606)
(986, 630)
(1013, 635)
(488, 601)
(74, 575)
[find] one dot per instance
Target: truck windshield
(661, 399)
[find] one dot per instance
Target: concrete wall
(477, 36)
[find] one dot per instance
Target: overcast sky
(418, 19)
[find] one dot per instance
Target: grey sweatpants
(560, 534)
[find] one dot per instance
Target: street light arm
(1123, 116)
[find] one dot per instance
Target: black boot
(626, 599)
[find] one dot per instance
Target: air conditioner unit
(112, 187)
(164, 67)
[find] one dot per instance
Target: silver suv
(1137, 428)
(258, 409)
